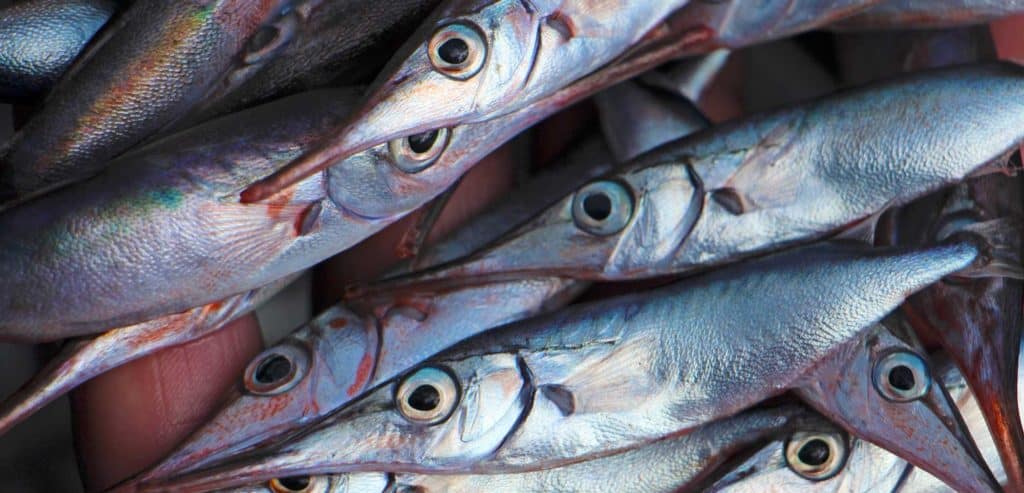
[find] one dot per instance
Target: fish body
(668, 465)
(143, 73)
(412, 327)
(599, 378)
(173, 208)
(333, 43)
(765, 183)
(39, 39)
(81, 360)
(157, 233)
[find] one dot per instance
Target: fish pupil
(814, 453)
(424, 398)
(422, 142)
(273, 369)
(901, 378)
(294, 483)
(598, 206)
(454, 51)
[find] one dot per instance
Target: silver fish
(70, 276)
(40, 38)
(599, 378)
(144, 72)
(867, 468)
(765, 183)
(410, 328)
(81, 360)
(475, 60)
(668, 465)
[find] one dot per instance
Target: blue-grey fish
(141, 74)
(40, 38)
(166, 218)
(668, 465)
(395, 333)
(766, 183)
(599, 378)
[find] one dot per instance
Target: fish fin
(765, 180)
(1000, 246)
(254, 232)
(599, 383)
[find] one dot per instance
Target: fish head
(455, 69)
(445, 414)
(883, 390)
(817, 458)
(308, 374)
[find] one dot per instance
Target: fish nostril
(273, 369)
(421, 143)
(901, 378)
(424, 398)
(597, 206)
(814, 452)
(454, 51)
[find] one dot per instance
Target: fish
(320, 43)
(922, 14)
(154, 202)
(594, 379)
(762, 184)
(475, 60)
(81, 360)
(672, 464)
(332, 43)
(410, 328)
(140, 75)
(977, 321)
(868, 468)
(39, 39)
(418, 91)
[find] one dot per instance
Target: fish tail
(999, 245)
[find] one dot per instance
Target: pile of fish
(832, 295)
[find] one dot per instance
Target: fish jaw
(926, 429)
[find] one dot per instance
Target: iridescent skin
(40, 38)
(916, 14)
(80, 361)
(326, 43)
(319, 43)
(669, 465)
(772, 181)
(171, 208)
(412, 97)
(141, 75)
(411, 328)
(598, 378)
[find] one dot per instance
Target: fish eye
(602, 208)
(276, 370)
(297, 484)
(416, 153)
(816, 456)
(457, 51)
(902, 376)
(428, 396)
